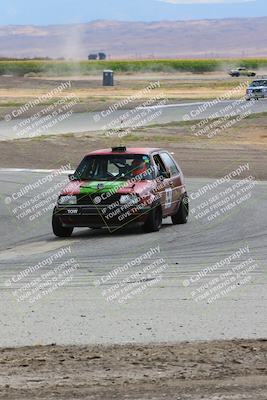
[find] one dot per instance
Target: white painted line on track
(187, 104)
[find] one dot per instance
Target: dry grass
(16, 91)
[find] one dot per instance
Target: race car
(242, 71)
(257, 90)
(116, 187)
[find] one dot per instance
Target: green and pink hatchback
(114, 188)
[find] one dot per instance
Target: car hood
(93, 187)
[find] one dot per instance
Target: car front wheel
(60, 230)
(181, 215)
(154, 220)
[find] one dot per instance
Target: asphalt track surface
(167, 310)
(104, 120)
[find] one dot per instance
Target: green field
(56, 68)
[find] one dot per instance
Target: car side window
(160, 164)
(170, 164)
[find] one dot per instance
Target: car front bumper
(100, 216)
(256, 95)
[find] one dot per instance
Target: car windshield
(114, 167)
(259, 83)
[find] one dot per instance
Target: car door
(165, 185)
(175, 180)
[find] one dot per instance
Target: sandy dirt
(206, 370)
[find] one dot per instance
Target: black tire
(154, 220)
(181, 216)
(60, 230)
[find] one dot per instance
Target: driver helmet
(138, 167)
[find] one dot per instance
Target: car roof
(129, 150)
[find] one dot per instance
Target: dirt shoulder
(206, 370)
(200, 156)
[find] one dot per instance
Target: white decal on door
(168, 202)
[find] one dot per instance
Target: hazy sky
(65, 11)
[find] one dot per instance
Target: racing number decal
(168, 202)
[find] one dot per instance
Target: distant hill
(244, 37)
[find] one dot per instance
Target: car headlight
(129, 199)
(67, 200)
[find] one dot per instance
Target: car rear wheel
(181, 216)
(154, 220)
(58, 229)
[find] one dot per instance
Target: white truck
(257, 89)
